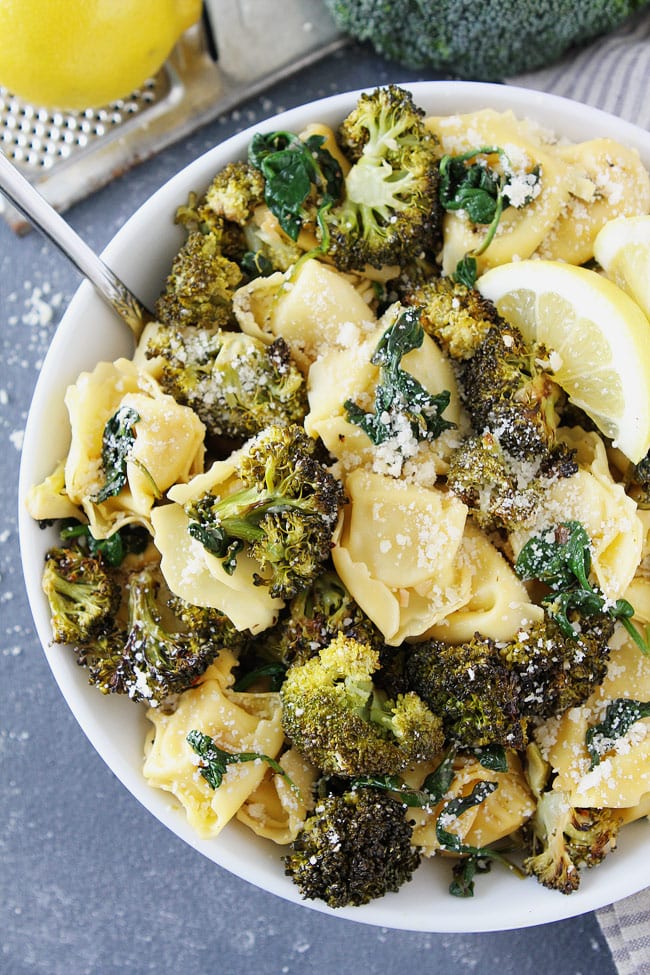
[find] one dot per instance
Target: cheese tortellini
(581, 187)
(168, 448)
(237, 722)
(198, 576)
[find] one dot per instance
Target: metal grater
(238, 49)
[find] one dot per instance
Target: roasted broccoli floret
(564, 838)
(389, 208)
(487, 692)
(499, 39)
(506, 387)
(201, 283)
(235, 383)
(333, 713)
(310, 622)
(283, 515)
(154, 655)
(82, 594)
(352, 849)
(456, 316)
(554, 671)
(472, 689)
(234, 193)
(501, 492)
(637, 481)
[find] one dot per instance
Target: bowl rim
(424, 904)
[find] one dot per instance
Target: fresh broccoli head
(389, 208)
(82, 594)
(496, 40)
(344, 725)
(235, 383)
(200, 286)
(564, 838)
(283, 515)
(487, 692)
(154, 655)
(352, 849)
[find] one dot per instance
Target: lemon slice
(622, 248)
(599, 337)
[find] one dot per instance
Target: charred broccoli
(564, 838)
(389, 208)
(154, 655)
(501, 493)
(352, 849)
(235, 383)
(82, 594)
(334, 714)
(283, 515)
(201, 283)
(312, 619)
(506, 387)
(487, 692)
(472, 689)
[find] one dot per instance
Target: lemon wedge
(598, 336)
(622, 248)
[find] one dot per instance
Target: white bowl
(142, 252)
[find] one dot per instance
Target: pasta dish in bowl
(345, 567)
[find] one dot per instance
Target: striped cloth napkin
(612, 74)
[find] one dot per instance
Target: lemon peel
(622, 248)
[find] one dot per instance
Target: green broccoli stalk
(334, 714)
(83, 595)
(235, 383)
(284, 514)
(352, 849)
(564, 838)
(389, 209)
(490, 42)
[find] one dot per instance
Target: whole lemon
(73, 54)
